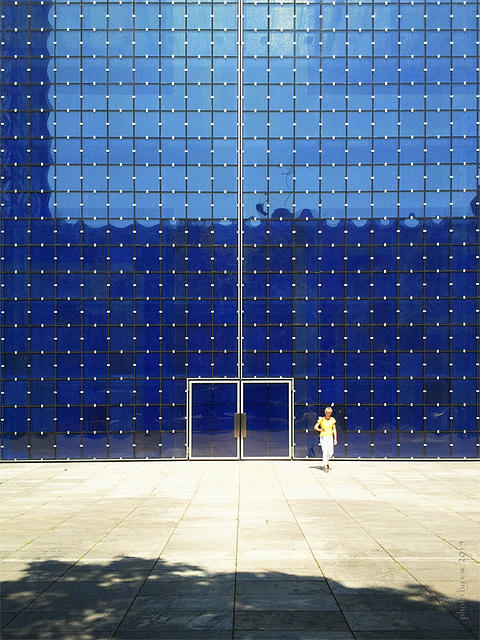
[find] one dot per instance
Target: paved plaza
(240, 550)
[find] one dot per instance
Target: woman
(328, 436)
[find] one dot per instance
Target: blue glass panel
(464, 445)
(359, 445)
(120, 445)
(147, 417)
(358, 364)
(438, 445)
(68, 419)
(332, 364)
(15, 419)
(15, 447)
(200, 365)
(95, 418)
(385, 445)
(41, 419)
(225, 311)
(385, 417)
(147, 445)
(358, 416)
(411, 417)
(255, 364)
(411, 445)
(68, 446)
(280, 365)
(94, 445)
(173, 444)
(42, 446)
(306, 364)
(411, 391)
(464, 417)
(121, 417)
(16, 392)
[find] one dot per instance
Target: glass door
(232, 419)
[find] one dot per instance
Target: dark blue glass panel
(41, 419)
(225, 365)
(15, 392)
(266, 406)
(213, 409)
(173, 444)
(94, 446)
(225, 311)
(385, 445)
(358, 364)
(200, 365)
(464, 445)
(255, 364)
(332, 364)
(385, 417)
(359, 445)
(42, 446)
(15, 447)
(358, 337)
(120, 445)
(146, 445)
(68, 419)
(411, 445)
(438, 445)
(68, 446)
(306, 364)
(464, 417)
(95, 418)
(225, 338)
(332, 311)
(411, 417)
(280, 285)
(16, 364)
(306, 391)
(173, 418)
(306, 445)
(255, 311)
(147, 417)
(280, 365)
(121, 417)
(42, 392)
(15, 419)
(358, 416)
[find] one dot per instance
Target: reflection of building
(123, 250)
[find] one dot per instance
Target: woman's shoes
(326, 468)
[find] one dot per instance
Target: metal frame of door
(240, 407)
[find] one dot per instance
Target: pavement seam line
(92, 547)
(164, 547)
(311, 551)
(411, 517)
(442, 604)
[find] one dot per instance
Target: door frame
(240, 386)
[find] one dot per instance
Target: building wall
(345, 204)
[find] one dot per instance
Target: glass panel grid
(120, 246)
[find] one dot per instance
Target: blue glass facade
(228, 191)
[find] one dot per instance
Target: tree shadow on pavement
(128, 598)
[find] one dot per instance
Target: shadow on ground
(130, 598)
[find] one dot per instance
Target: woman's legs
(327, 449)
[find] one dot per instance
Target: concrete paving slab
(254, 549)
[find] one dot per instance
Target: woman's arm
(316, 425)
(334, 431)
